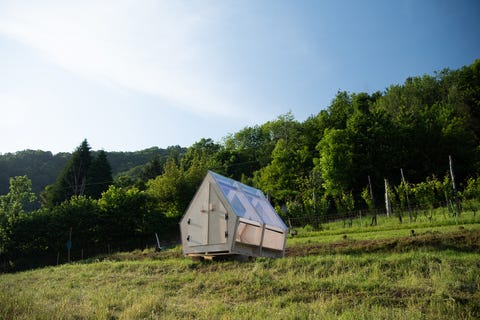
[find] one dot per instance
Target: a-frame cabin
(227, 217)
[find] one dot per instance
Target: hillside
(338, 273)
(43, 167)
(417, 142)
(415, 126)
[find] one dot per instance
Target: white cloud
(152, 47)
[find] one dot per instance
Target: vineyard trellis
(365, 216)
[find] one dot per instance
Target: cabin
(226, 217)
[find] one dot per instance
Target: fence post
(388, 204)
(455, 193)
(374, 217)
(406, 195)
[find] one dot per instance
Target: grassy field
(338, 273)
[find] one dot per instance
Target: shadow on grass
(462, 240)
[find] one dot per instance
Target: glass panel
(237, 206)
(270, 216)
(248, 202)
(250, 213)
(266, 212)
(226, 189)
(250, 190)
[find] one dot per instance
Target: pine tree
(99, 176)
(82, 175)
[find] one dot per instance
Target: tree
(245, 152)
(340, 110)
(280, 177)
(313, 128)
(284, 127)
(170, 189)
(152, 169)
(122, 216)
(83, 175)
(205, 148)
(335, 162)
(20, 193)
(99, 176)
(72, 181)
(12, 208)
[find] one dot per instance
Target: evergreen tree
(99, 176)
(82, 175)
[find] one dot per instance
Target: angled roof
(247, 202)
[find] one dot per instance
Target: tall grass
(423, 284)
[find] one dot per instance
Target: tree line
(43, 167)
(335, 161)
(85, 211)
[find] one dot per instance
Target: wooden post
(454, 186)
(315, 216)
(388, 204)
(406, 195)
(158, 242)
(374, 218)
(371, 192)
(58, 257)
(447, 203)
(261, 240)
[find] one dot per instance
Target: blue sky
(131, 74)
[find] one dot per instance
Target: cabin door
(217, 219)
(197, 228)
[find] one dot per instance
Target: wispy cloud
(153, 47)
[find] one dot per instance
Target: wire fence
(375, 217)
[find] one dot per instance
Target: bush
(472, 189)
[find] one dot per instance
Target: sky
(132, 74)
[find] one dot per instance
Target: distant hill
(43, 167)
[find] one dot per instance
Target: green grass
(382, 273)
(373, 234)
(388, 227)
